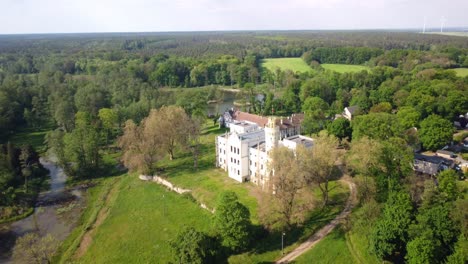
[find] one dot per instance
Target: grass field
(342, 68)
(332, 249)
(461, 72)
(293, 64)
(141, 224)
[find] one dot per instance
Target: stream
(57, 212)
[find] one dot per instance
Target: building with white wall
(244, 151)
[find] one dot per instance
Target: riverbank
(54, 213)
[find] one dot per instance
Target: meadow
(342, 68)
(293, 64)
(461, 72)
(299, 65)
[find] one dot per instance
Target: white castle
(244, 151)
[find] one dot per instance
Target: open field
(293, 64)
(332, 249)
(141, 224)
(342, 68)
(461, 72)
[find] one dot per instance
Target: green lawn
(293, 64)
(461, 72)
(143, 220)
(342, 68)
(332, 249)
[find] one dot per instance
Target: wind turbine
(424, 27)
(442, 22)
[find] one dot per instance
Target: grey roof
(307, 142)
(429, 164)
(353, 109)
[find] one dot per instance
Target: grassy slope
(293, 64)
(332, 249)
(141, 224)
(461, 72)
(342, 68)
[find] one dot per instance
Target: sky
(74, 16)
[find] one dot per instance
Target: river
(57, 212)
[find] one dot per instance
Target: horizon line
(458, 28)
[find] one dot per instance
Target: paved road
(319, 235)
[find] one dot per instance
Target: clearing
(461, 72)
(293, 64)
(342, 68)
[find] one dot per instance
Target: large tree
(318, 163)
(340, 128)
(390, 234)
(192, 247)
(232, 221)
(435, 132)
(283, 203)
(172, 125)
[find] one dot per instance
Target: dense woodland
(89, 89)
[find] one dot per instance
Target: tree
(192, 247)
(381, 126)
(340, 128)
(232, 221)
(31, 248)
(108, 118)
(408, 117)
(172, 125)
(318, 163)
(281, 204)
(81, 146)
(389, 235)
(448, 184)
(141, 146)
(433, 235)
(435, 132)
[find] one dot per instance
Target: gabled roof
(284, 122)
(352, 109)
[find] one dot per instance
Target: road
(319, 235)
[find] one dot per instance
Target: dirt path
(87, 238)
(319, 235)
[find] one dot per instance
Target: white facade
(243, 152)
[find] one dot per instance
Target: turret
(272, 134)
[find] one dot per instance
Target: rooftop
(298, 139)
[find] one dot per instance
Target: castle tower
(272, 134)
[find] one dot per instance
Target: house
(430, 165)
(244, 151)
(350, 111)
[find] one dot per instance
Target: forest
(87, 90)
